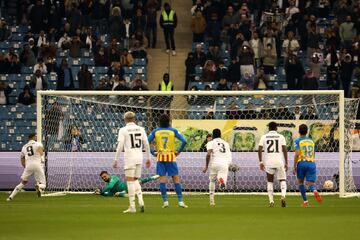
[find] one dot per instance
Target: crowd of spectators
(111, 32)
(299, 40)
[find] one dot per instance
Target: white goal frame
(339, 93)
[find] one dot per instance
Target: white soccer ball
(328, 185)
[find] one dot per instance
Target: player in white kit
(32, 155)
(275, 161)
(132, 140)
(218, 159)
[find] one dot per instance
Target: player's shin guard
(178, 191)
(16, 190)
(283, 189)
(270, 190)
(138, 193)
(131, 192)
(163, 191)
(303, 192)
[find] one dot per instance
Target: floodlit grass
(234, 217)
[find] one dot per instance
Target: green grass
(234, 217)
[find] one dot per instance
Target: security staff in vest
(168, 22)
(166, 84)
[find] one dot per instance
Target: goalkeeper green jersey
(113, 186)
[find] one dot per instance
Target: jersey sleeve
(181, 138)
(22, 154)
(261, 142)
(282, 141)
(209, 146)
(152, 136)
(296, 144)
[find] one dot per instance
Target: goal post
(241, 115)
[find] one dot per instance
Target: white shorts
(279, 172)
(133, 171)
(37, 171)
(219, 171)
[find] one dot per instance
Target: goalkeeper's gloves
(97, 191)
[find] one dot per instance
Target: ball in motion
(328, 185)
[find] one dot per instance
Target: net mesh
(80, 135)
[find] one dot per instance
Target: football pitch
(234, 217)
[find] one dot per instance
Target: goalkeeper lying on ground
(115, 187)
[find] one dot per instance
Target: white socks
(16, 190)
(138, 192)
(270, 190)
(131, 192)
(283, 188)
(212, 190)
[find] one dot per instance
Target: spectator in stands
(257, 47)
(347, 32)
(209, 71)
(37, 17)
(38, 82)
(42, 39)
(315, 65)
(297, 113)
(222, 85)
(309, 82)
(193, 99)
(74, 17)
(5, 32)
(199, 56)
(89, 39)
(214, 54)
(85, 78)
(65, 42)
(269, 60)
(114, 54)
(168, 22)
(65, 79)
(26, 97)
(4, 64)
(103, 85)
(333, 82)
(290, 45)
(54, 18)
(213, 30)
(294, 72)
(139, 20)
(101, 59)
(346, 72)
(246, 60)
(198, 6)
(75, 47)
(5, 91)
(115, 24)
(190, 69)
(222, 70)
(126, 58)
(152, 6)
(234, 70)
(230, 18)
(40, 66)
(198, 26)
(209, 116)
(332, 61)
(14, 64)
(313, 41)
(139, 85)
(74, 139)
(261, 80)
(166, 84)
(27, 57)
(118, 84)
(116, 69)
(51, 65)
(137, 51)
(127, 32)
(139, 37)
(53, 117)
(247, 81)
(310, 114)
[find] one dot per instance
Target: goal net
(79, 131)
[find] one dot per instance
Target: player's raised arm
(296, 157)
(120, 147)
(151, 138)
